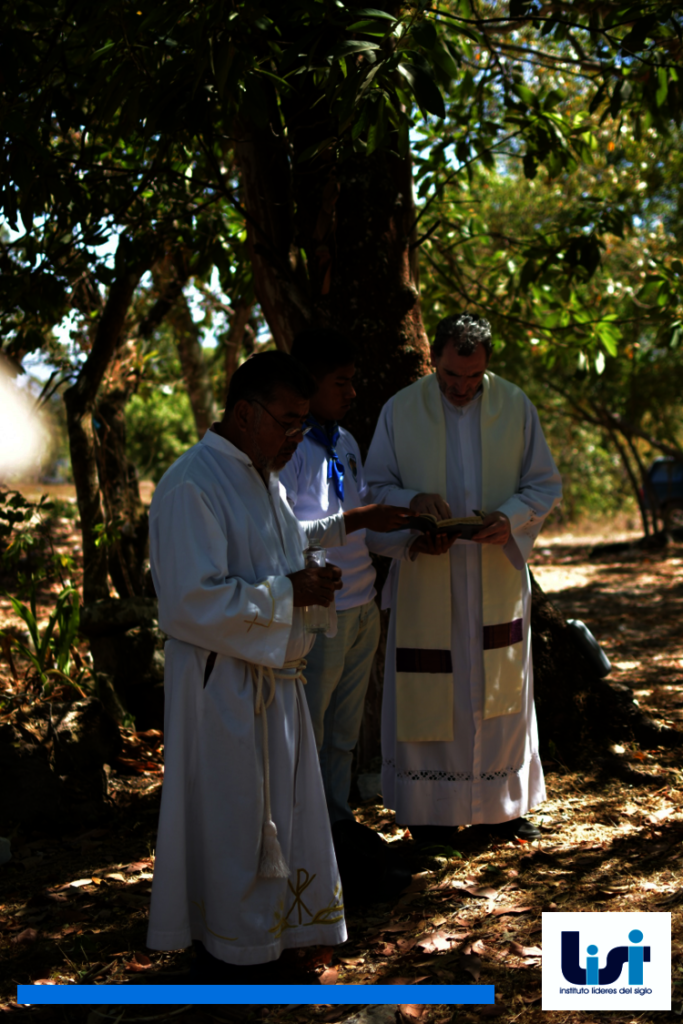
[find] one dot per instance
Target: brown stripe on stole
(503, 635)
(421, 659)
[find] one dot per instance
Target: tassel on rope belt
(272, 863)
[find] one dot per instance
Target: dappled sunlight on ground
(74, 904)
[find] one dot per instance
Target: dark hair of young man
(323, 350)
(263, 374)
(466, 332)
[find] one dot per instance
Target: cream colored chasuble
(424, 668)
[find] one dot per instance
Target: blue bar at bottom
(259, 995)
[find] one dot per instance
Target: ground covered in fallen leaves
(73, 907)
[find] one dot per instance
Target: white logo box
(618, 943)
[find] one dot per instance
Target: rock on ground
(52, 766)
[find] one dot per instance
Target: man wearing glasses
(245, 865)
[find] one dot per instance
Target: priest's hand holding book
(432, 515)
(432, 544)
(433, 508)
(495, 529)
(430, 505)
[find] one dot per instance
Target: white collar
(221, 444)
(461, 410)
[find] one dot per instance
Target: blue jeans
(337, 676)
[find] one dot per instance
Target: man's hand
(496, 529)
(315, 585)
(380, 518)
(432, 544)
(432, 504)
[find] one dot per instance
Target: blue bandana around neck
(335, 466)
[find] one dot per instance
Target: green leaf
(363, 121)
(316, 148)
(275, 78)
(524, 92)
(634, 40)
(650, 290)
(520, 8)
(615, 102)
(349, 46)
(442, 56)
(425, 35)
(424, 89)
(377, 128)
(597, 98)
(223, 55)
(663, 88)
(372, 12)
(370, 28)
(102, 50)
(610, 338)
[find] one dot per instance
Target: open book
(465, 527)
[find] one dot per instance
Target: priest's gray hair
(466, 332)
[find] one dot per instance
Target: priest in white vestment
(245, 865)
(459, 735)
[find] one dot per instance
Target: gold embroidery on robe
(330, 914)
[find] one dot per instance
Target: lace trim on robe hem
(432, 775)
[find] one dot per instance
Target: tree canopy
(333, 163)
(125, 118)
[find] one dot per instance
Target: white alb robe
(491, 771)
(221, 546)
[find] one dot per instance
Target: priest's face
(459, 376)
(275, 430)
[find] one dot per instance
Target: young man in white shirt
(324, 476)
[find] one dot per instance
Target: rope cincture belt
(272, 863)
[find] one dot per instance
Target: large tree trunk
(195, 371)
(126, 515)
(280, 279)
(363, 282)
(240, 332)
(355, 222)
(170, 277)
(79, 400)
(113, 519)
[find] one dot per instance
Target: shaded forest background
(183, 185)
(186, 183)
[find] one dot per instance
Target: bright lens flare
(23, 439)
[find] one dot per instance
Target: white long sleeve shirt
(313, 497)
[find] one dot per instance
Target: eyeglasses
(289, 431)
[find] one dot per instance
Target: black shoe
(370, 870)
(431, 837)
(519, 827)
(208, 969)
(352, 835)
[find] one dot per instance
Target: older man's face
(269, 446)
(459, 376)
